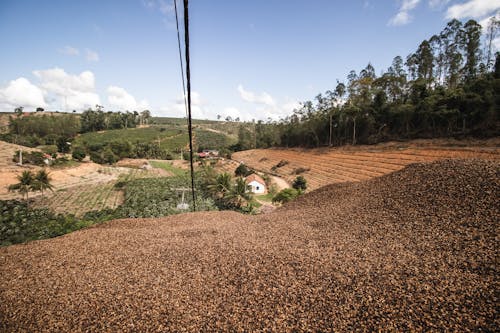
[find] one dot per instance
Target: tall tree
(472, 41)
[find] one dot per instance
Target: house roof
(254, 177)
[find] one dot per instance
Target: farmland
(171, 138)
(327, 166)
(409, 251)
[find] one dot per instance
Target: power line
(180, 58)
(188, 78)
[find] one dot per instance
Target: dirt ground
(414, 250)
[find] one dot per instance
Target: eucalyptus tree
(452, 38)
(491, 32)
(472, 42)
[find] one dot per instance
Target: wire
(180, 59)
(188, 78)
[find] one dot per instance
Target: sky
(253, 59)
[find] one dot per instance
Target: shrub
(286, 195)
(34, 157)
(300, 183)
(282, 163)
(62, 145)
(300, 170)
(78, 153)
(242, 170)
(49, 149)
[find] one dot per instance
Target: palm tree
(240, 194)
(222, 185)
(26, 181)
(42, 181)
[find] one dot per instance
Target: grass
(168, 167)
(265, 197)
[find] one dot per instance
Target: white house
(257, 184)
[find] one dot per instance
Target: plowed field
(328, 166)
(415, 250)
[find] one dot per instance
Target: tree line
(450, 86)
(47, 129)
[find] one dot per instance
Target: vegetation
(226, 192)
(242, 171)
(20, 224)
(30, 157)
(286, 195)
(155, 197)
(78, 153)
(300, 183)
(168, 167)
(32, 182)
(447, 87)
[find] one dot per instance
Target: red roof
(254, 177)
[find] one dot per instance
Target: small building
(257, 184)
(209, 153)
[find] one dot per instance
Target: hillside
(326, 166)
(413, 250)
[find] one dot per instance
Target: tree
(42, 181)
(221, 186)
(240, 195)
(491, 32)
(25, 184)
(472, 41)
(300, 183)
(19, 110)
(242, 170)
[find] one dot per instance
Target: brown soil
(326, 166)
(415, 250)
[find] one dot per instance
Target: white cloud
(72, 92)
(120, 99)
(473, 8)
(91, 55)
(437, 3)
(403, 16)
(248, 96)
(233, 113)
(69, 50)
(21, 92)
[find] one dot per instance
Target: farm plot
(322, 167)
(81, 198)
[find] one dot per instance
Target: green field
(168, 167)
(168, 137)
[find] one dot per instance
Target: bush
(78, 153)
(34, 157)
(242, 171)
(19, 224)
(62, 145)
(286, 195)
(49, 149)
(300, 183)
(300, 170)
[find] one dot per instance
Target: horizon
(249, 60)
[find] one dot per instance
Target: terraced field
(327, 166)
(95, 191)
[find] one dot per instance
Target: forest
(448, 87)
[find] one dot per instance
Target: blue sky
(250, 59)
